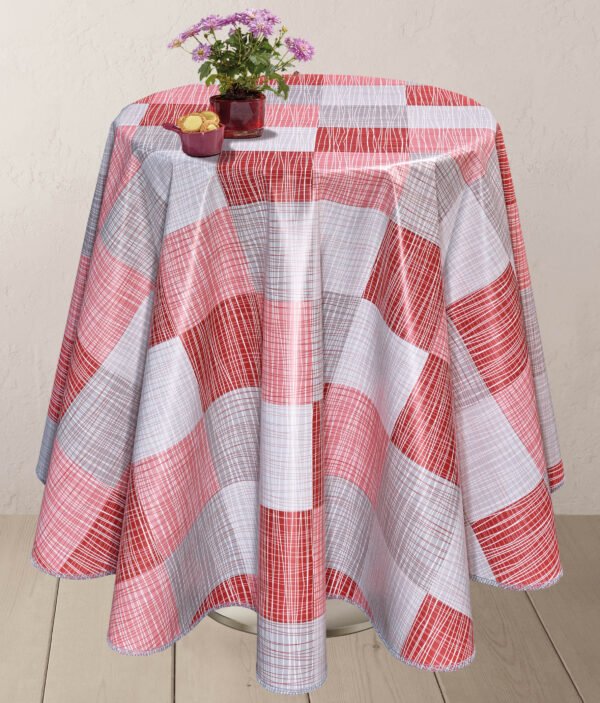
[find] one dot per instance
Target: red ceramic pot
(200, 143)
(243, 117)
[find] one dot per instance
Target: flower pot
(243, 117)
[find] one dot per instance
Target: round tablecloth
(307, 368)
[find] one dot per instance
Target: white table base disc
(342, 618)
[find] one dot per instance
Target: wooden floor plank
(216, 664)
(570, 610)
(82, 667)
(361, 670)
(515, 661)
(26, 612)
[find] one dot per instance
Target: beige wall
(68, 66)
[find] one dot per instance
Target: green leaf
(282, 86)
(204, 70)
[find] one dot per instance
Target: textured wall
(68, 67)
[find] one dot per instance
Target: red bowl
(200, 143)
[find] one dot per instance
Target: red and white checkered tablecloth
(307, 368)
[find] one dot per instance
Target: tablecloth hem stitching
(239, 604)
(517, 587)
(70, 577)
(290, 691)
(162, 647)
(557, 486)
(396, 653)
(472, 577)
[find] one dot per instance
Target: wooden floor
(537, 646)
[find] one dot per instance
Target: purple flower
(201, 52)
(259, 22)
(190, 32)
(261, 27)
(174, 43)
(301, 49)
(212, 22)
(231, 19)
(247, 15)
(270, 16)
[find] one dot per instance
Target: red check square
(290, 176)
(362, 139)
(287, 352)
(519, 541)
(290, 561)
(440, 636)
(406, 285)
(424, 430)
(225, 349)
(490, 322)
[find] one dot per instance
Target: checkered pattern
(307, 368)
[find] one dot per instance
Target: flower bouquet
(246, 53)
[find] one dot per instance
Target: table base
(342, 618)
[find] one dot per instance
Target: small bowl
(199, 143)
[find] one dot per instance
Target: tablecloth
(307, 368)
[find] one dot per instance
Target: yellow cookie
(210, 116)
(190, 123)
(206, 116)
(210, 127)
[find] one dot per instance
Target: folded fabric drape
(307, 368)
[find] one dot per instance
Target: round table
(306, 369)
